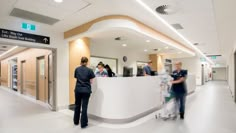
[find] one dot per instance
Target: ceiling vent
(120, 38)
(178, 26)
(162, 9)
(33, 16)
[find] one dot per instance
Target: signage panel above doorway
(16, 35)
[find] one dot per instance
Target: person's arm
(75, 74)
(92, 76)
(145, 72)
(182, 79)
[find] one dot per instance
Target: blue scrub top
(179, 88)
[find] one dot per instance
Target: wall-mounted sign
(213, 57)
(168, 61)
(16, 35)
(27, 26)
(203, 59)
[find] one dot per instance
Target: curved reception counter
(126, 99)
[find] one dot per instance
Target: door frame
(234, 76)
(37, 74)
(21, 77)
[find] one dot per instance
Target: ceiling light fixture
(171, 28)
(166, 47)
(8, 51)
(148, 41)
(145, 50)
(124, 45)
(58, 1)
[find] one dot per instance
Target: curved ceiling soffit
(124, 22)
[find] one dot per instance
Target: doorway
(203, 81)
(23, 77)
(41, 79)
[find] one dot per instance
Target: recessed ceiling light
(58, 1)
(166, 47)
(148, 41)
(124, 45)
(145, 50)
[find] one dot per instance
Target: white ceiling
(196, 16)
(136, 42)
(4, 48)
(225, 21)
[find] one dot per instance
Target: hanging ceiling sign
(21, 36)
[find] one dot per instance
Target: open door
(41, 80)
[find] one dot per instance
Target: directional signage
(203, 59)
(27, 26)
(16, 35)
(213, 57)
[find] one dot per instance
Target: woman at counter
(101, 71)
(84, 76)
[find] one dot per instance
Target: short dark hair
(101, 64)
(84, 60)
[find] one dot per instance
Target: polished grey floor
(210, 110)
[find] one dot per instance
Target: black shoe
(182, 116)
(84, 126)
(76, 124)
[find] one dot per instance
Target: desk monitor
(127, 72)
(140, 71)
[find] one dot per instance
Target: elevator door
(41, 79)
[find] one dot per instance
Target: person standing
(84, 77)
(179, 87)
(147, 71)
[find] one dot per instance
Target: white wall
(105, 50)
(219, 73)
(231, 72)
(57, 41)
(193, 65)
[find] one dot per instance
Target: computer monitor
(140, 71)
(127, 72)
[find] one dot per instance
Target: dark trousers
(81, 99)
(180, 101)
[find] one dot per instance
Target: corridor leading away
(209, 110)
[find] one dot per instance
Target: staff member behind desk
(101, 71)
(84, 76)
(179, 87)
(147, 71)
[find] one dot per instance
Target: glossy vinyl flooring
(211, 109)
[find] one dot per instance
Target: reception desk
(126, 99)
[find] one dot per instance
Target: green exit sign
(203, 59)
(213, 57)
(27, 26)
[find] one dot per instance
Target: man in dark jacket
(179, 87)
(84, 76)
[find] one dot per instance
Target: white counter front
(125, 99)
